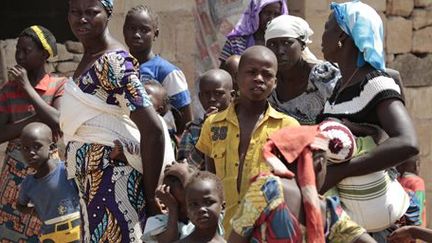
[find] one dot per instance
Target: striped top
(15, 103)
(358, 102)
(236, 46)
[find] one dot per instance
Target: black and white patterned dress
(306, 107)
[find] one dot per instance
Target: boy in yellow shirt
(232, 140)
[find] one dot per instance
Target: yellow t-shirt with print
(220, 139)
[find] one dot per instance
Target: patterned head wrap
(108, 5)
(43, 37)
(249, 22)
(363, 24)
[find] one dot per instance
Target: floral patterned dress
(111, 192)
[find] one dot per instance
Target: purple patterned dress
(111, 193)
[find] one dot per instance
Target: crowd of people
(290, 148)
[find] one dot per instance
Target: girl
(30, 95)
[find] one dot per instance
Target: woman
(30, 95)
(353, 38)
(105, 90)
(250, 29)
(304, 83)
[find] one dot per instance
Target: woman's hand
(401, 235)
(18, 74)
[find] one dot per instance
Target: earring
(339, 44)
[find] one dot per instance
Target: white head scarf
(288, 26)
(292, 27)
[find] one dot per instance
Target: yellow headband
(43, 40)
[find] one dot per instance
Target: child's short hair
(181, 170)
(157, 84)
(143, 8)
(205, 175)
(42, 37)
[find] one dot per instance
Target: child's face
(256, 76)
(159, 98)
(36, 149)
(268, 13)
(139, 32)
(203, 204)
(215, 93)
(28, 54)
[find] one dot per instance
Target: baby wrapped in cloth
(376, 200)
(86, 118)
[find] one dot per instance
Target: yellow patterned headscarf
(42, 37)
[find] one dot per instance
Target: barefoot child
(205, 203)
(232, 139)
(175, 225)
(215, 94)
(55, 198)
(140, 30)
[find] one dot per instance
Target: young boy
(140, 30)
(232, 139)
(55, 198)
(205, 203)
(215, 94)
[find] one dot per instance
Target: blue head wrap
(363, 24)
(108, 5)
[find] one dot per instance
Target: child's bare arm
(236, 238)
(117, 152)
(171, 234)
(25, 209)
(12, 131)
(408, 233)
(365, 238)
(210, 165)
